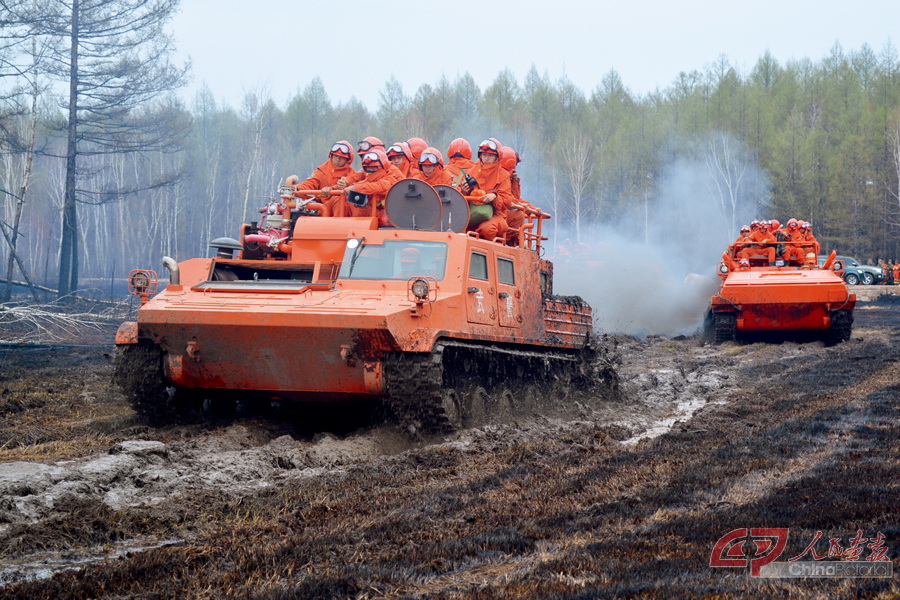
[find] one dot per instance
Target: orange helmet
(509, 158)
(793, 223)
(489, 146)
(459, 147)
(375, 158)
(417, 145)
(745, 228)
(400, 149)
(342, 148)
(775, 224)
(431, 156)
(368, 143)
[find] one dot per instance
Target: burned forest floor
(623, 499)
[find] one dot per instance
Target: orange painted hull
(775, 299)
(326, 340)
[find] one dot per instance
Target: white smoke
(651, 271)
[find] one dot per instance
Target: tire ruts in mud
(467, 384)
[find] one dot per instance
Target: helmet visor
(395, 150)
(371, 159)
(489, 146)
(428, 158)
(342, 149)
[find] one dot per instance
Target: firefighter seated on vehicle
(459, 157)
(431, 168)
(763, 247)
(402, 157)
(380, 176)
(492, 179)
(810, 244)
(793, 253)
(328, 174)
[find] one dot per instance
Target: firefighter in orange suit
(515, 217)
(763, 243)
(459, 158)
(327, 175)
(431, 168)
(381, 175)
(402, 157)
(494, 181)
(793, 234)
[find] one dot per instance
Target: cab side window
(478, 266)
(506, 274)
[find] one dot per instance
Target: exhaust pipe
(172, 266)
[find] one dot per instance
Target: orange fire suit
(794, 252)
(326, 175)
(456, 165)
(408, 170)
(438, 177)
(763, 243)
(515, 218)
(494, 179)
(376, 185)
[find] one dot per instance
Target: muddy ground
(626, 500)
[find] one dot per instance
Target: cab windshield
(394, 260)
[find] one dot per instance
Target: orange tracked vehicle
(790, 296)
(446, 328)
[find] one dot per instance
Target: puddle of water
(47, 564)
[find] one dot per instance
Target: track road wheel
(477, 405)
(726, 327)
(452, 409)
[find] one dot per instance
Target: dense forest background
(813, 140)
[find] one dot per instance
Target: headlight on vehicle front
(420, 289)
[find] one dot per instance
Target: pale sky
(354, 47)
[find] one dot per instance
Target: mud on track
(620, 500)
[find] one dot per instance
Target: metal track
(463, 384)
(726, 327)
(841, 327)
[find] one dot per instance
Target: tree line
(157, 175)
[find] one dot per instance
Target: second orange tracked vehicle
(788, 297)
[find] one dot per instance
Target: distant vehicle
(856, 273)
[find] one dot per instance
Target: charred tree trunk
(68, 258)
